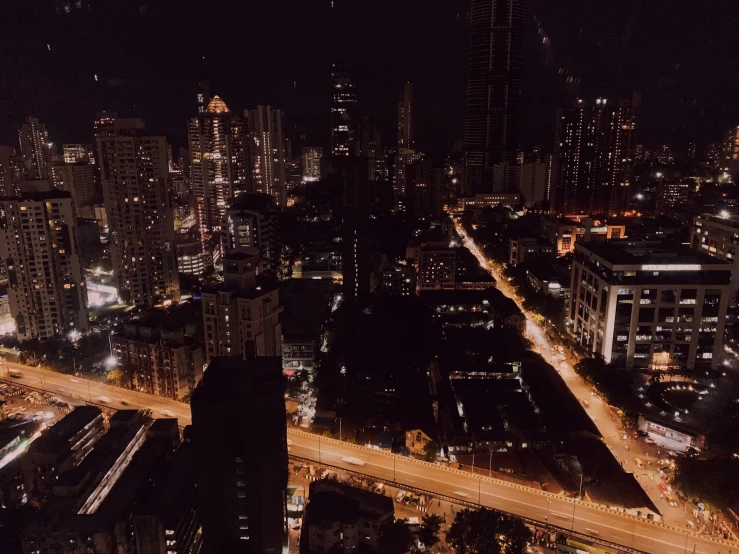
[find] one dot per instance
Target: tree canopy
(487, 531)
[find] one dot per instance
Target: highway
(583, 517)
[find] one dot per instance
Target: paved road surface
(583, 517)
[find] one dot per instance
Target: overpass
(584, 518)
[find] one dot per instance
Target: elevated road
(615, 527)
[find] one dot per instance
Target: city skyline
(162, 94)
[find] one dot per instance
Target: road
(629, 531)
(626, 450)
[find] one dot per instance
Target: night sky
(147, 55)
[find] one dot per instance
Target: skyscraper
(136, 192)
(218, 169)
(406, 118)
(38, 243)
(492, 89)
(240, 441)
(343, 112)
(35, 147)
(594, 147)
(266, 151)
(370, 146)
(203, 97)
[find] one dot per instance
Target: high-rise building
(136, 189)
(406, 118)
(310, 159)
(253, 221)
(343, 112)
(266, 151)
(75, 153)
(594, 148)
(218, 168)
(730, 150)
(492, 89)
(644, 305)
(533, 183)
(46, 287)
(425, 188)
(370, 146)
(78, 179)
(10, 171)
(241, 315)
(240, 441)
(35, 149)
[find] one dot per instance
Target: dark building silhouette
(492, 89)
(240, 441)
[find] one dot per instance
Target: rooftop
(306, 304)
(54, 439)
(252, 201)
(634, 253)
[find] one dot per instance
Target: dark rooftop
(252, 201)
(627, 252)
(54, 439)
(306, 303)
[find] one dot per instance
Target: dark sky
(147, 55)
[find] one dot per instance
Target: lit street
(626, 530)
(626, 450)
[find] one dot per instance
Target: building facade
(492, 89)
(310, 160)
(218, 163)
(253, 221)
(10, 171)
(437, 268)
(241, 316)
(240, 440)
(38, 243)
(564, 232)
(344, 116)
(162, 362)
(594, 147)
(78, 179)
(643, 306)
(35, 149)
(406, 118)
(136, 190)
(266, 151)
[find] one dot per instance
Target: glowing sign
(671, 267)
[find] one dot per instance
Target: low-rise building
(489, 200)
(398, 278)
(417, 441)
(61, 448)
(341, 518)
(648, 305)
(307, 303)
(549, 279)
(671, 434)
(564, 232)
(525, 249)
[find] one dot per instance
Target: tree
(487, 531)
(115, 376)
(428, 534)
(395, 537)
(430, 451)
